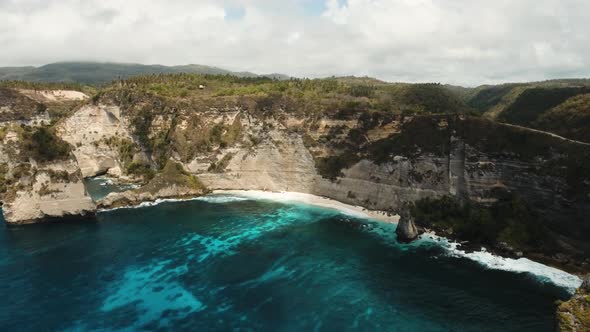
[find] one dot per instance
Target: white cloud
(454, 41)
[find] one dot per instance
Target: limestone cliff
(89, 130)
(39, 178)
(376, 159)
(356, 150)
(53, 190)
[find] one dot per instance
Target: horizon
(466, 43)
(471, 86)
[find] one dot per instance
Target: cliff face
(34, 190)
(376, 160)
(39, 178)
(53, 190)
(351, 152)
(89, 130)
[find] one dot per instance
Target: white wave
(222, 199)
(209, 199)
(542, 272)
(309, 199)
(149, 204)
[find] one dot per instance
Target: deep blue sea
(223, 264)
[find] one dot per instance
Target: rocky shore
(574, 315)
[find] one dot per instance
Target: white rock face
(87, 131)
(49, 197)
(54, 95)
(286, 167)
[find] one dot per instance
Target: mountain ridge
(98, 73)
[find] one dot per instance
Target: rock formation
(173, 182)
(574, 315)
(406, 228)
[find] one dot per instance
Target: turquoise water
(100, 187)
(235, 264)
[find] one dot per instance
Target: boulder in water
(406, 228)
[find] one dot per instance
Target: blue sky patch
(234, 13)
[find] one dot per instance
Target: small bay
(224, 263)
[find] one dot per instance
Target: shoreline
(310, 199)
(483, 257)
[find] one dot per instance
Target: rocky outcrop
(172, 182)
(574, 315)
(96, 133)
(39, 178)
(136, 197)
(53, 190)
(406, 228)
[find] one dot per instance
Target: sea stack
(406, 228)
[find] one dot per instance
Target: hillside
(101, 73)
(555, 106)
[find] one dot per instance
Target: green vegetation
(574, 315)
(422, 134)
(42, 144)
(174, 99)
(50, 85)
(331, 167)
(3, 178)
(173, 175)
(61, 176)
(417, 135)
(510, 220)
(100, 73)
(487, 97)
(221, 165)
(495, 138)
(570, 119)
(20, 107)
(294, 95)
(532, 103)
(140, 170)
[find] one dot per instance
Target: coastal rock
(97, 132)
(406, 230)
(55, 191)
(574, 314)
(135, 197)
(172, 182)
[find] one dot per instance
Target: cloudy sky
(452, 41)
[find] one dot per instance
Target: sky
(466, 42)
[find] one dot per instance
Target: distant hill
(101, 73)
(559, 106)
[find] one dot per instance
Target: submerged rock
(406, 228)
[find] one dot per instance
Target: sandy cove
(294, 197)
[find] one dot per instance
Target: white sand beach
(351, 210)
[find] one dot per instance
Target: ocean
(230, 263)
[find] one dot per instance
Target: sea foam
(542, 273)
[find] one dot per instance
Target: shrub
(509, 220)
(43, 145)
